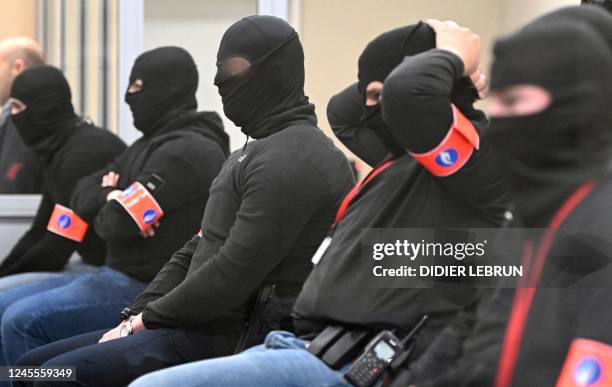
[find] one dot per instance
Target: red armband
(141, 205)
(454, 151)
(66, 223)
(588, 363)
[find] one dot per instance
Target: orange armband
(455, 149)
(66, 223)
(141, 205)
(588, 363)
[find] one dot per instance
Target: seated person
(165, 175)
(269, 209)
(469, 350)
(399, 193)
(71, 148)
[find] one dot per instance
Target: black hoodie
(573, 140)
(181, 149)
(574, 289)
(187, 156)
(71, 148)
(269, 208)
(406, 195)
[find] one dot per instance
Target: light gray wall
(16, 214)
(197, 26)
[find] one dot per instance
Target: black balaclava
(604, 4)
(274, 81)
(382, 55)
(170, 81)
(546, 155)
(49, 114)
(596, 17)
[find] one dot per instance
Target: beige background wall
(17, 18)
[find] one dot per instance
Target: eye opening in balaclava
(546, 154)
(170, 81)
(274, 80)
(49, 113)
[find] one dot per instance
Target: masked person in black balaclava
(400, 193)
(269, 209)
(166, 176)
(71, 148)
(551, 128)
(355, 113)
(483, 332)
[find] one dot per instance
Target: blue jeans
(74, 266)
(19, 286)
(281, 361)
(86, 303)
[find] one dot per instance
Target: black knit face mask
(274, 80)
(48, 113)
(545, 153)
(170, 81)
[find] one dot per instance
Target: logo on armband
(149, 216)
(587, 372)
(447, 158)
(141, 205)
(64, 221)
(588, 363)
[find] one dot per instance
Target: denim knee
(16, 318)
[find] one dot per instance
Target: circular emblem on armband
(64, 221)
(149, 216)
(447, 158)
(587, 372)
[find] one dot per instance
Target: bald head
(16, 54)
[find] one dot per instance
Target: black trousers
(118, 362)
(113, 363)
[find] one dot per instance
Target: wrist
(138, 324)
(113, 194)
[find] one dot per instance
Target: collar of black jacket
(282, 120)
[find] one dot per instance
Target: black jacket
(20, 167)
(269, 209)
(186, 154)
(405, 195)
(570, 303)
(84, 150)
